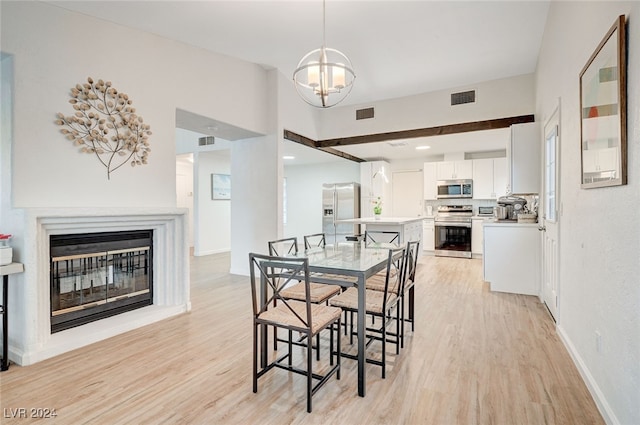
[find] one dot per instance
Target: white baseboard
(210, 252)
(598, 397)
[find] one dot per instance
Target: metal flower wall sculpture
(105, 124)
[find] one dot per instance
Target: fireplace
(30, 336)
(98, 275)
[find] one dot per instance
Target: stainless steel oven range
(453, 231)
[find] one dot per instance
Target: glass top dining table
(348, 258)
(353, 259)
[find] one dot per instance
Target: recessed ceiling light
(288, 157)
(420, 148)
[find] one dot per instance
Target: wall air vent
(207, 140)
(463, 97)
(364, 114)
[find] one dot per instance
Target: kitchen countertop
(381, 220)
(509, 224)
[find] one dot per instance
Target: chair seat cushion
(330, 278)
(321, 315)
(377, 282)
(318, 292)
(349, 300)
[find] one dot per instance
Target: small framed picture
(220, 186)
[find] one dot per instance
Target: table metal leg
(5, 324)
(263, 328)
(362, 357)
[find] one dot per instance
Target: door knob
(542, 228)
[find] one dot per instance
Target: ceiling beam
(427, 132)
(294, 137)
(441, 130)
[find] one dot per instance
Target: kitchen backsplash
(475, 203)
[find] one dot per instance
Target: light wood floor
(476, 357)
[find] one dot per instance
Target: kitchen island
(511, 260)
(409, 228)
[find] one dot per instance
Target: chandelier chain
(324, 23)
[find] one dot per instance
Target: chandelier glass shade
(324, 77)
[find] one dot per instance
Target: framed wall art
(220, 186)
(603, 112)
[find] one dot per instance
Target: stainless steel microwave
(448, 189)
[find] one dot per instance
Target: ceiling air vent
(463, 97)
(364, 114)
(207, 140)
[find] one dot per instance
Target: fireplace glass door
(88, 286)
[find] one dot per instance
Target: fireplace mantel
(30, 328)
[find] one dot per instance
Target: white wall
(304, 194)
(55, 49)
(211, 221)
(212, 217)
(494, 99)
(6, 129)
(184, 188)
(255, 204)
(599, 289)
(258, 172)
(52, 50)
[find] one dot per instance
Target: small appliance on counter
(486, 212)
(509, 207)
(527, 218)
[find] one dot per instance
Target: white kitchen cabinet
(428, 235)
(523, 159)
(599, 160)
(489, 178)
(500, 178)
(477, 236)
(511, 257)
(452, 170)
(413, 232)
(429, 174)
(483, 178)
(375, 181)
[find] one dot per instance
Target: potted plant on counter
(377, 208)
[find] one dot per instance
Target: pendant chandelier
(324, 77)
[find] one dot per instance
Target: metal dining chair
(380, 236)
(377, 283)
(384, 305)
(283, 247)
(320, 293)
(317, 240)
(272, 275)
(411, 265)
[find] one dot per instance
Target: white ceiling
(397, 48)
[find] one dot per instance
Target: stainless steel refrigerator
(340, 201)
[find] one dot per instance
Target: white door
(407, 194)
(549, 221)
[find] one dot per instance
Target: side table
(5, 271)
